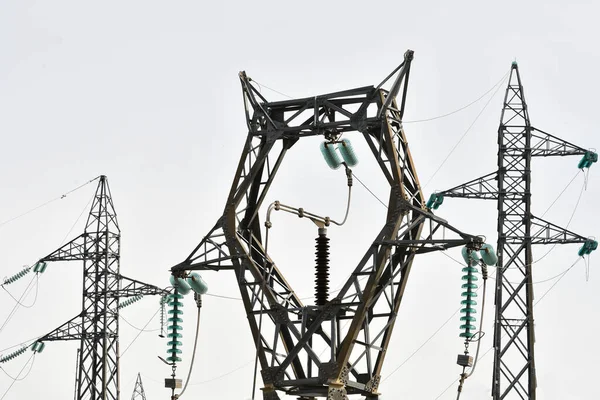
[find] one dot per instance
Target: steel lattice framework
(355, 327)
(518, 229)
(97, 326)
(138, 390)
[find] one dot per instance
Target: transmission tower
(355, 326)
(138, 390)
(514, 373)
(97, 326)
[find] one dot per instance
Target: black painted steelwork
(336, 349)
(97, 326)
(518, 229)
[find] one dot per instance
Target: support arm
(70, 330)
(131, 287)
(544, 232)
(71, 251)
(544, 144)
(485, 187)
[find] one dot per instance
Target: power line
(17, 378)
(15, 308)
(222, 375)
(369, 190)
(138, 335)
(46, 203)
(465, 134)
(562, 275)
(271, 89)
(560, 194)
(77, 220)
(461, 108)
(37, 284)
(135, 327)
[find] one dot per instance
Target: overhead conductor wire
(14, 310)
(21, 371)
(139, 333)
(48, 202)
(458, 109)
(497, 87)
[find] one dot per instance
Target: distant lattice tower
(138, 390)
(96, 327)
(519, 229)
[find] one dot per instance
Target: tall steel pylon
(355, 327)
(138, 390)
(97, 326)
(514, 373)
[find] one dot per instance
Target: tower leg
(269, 393)
(337, 391)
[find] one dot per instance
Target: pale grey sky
(147, 93)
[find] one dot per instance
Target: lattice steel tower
(97, 326)
(138, 390)
(291, 335)
(514, 373)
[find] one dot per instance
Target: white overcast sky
(147, 93)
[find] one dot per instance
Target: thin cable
(369, 190)
(421, 346)
(445, 390)
(459, 109)
(558, 280)
(15, 308)
(193, 356)
(271, 89)
(138, 335)
(15, 380)
(222, 375)
(77, 220)
(223, 297)
(37, 284)
(135, 327)
(560, 194)
(46, 203)
(347, 209)
(464, 134)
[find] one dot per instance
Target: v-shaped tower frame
(518, 229)
(354, 327)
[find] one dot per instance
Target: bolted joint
(271, 376)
